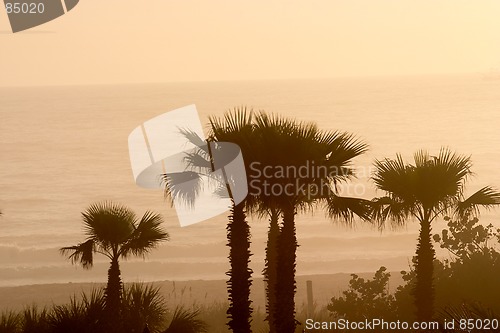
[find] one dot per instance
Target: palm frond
(143, 304)
(82, 253)
(394, 176)
(184, 186)
(146, 236)
(195, 160)
(346, 208)
(465, 312)
(486, 197)
(108, 223)
(34, 320)
(9, 322)
(421, 158)
(192, 137)
(459, 165)
(186, 321)
(233, 122)
(342, 147)
(442, 177)
(386, 208)
(432, 186)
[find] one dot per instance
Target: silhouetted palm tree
(270, 142)
(115, 232)
(270, 266)
(432, 187)
(236, 127)
(290, 146)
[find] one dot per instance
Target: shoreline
(199, 292)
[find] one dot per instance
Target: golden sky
(124, 41)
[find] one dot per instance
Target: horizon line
(201, 81)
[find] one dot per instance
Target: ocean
(63, 148)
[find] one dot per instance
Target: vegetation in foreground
(466, 285)
(323, 150)
(142, 306)
(426, 190)
(114, 231)
(430, 188)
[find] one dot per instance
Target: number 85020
(24, 8)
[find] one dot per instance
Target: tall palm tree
(270, 272)
(271, 142)
(114, 231)
(290, 146)
(430, 188)
(235, 127)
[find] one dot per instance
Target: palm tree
(270, 142)
(114, 231)
(431, 188)
(287, 146)
(237, 127)
(270, 272)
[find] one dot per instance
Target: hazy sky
(122, 41)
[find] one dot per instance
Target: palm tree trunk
(270, 270)
(424, 269)
(285, 288)
(238, 235)
(113, 296)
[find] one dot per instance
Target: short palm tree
(430, 188)
(114, 231)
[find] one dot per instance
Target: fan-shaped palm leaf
(186, 321)
(82, 253)
(486, 197)
(345, 209)
(387, 208)
(147, 235)
(108, 223)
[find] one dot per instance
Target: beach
(205, 293)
